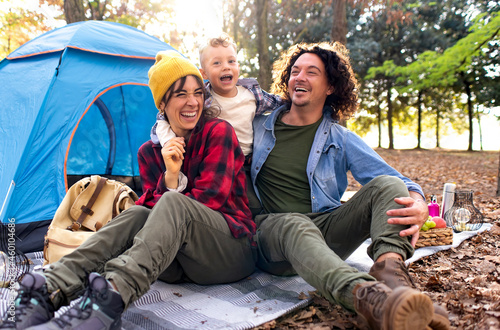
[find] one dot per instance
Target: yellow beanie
(168, 68)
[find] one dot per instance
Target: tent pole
(12, 184)
(108, 119)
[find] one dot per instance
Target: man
(300, 160)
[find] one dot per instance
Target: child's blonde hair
(223, 40)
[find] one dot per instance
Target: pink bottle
(433, 207)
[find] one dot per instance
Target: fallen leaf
(303, 296)
(495, 229)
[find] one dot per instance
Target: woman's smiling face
(184, 106)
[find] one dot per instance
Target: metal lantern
(4, 264)
(463, 215)
(13, 263)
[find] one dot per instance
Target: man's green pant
(179, 239)
(316, 245)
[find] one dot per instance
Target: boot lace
(405, 276)
(372, 296)
(7, 323)
(23, 302)
(81, 310)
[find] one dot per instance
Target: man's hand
(414, 214)
(173, 156)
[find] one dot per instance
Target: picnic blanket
(242, 305)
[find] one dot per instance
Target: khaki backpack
(88, 205)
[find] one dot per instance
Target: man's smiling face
(308, 84)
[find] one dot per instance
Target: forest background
(427, 70)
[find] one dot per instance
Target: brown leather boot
(382, 308)
(394, 273)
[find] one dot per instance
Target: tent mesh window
(109, 135)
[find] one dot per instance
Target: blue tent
(74, 102)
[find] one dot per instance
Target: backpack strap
(87, 209)
(117, 197)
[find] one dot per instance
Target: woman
(194, 226)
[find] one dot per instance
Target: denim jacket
(334, 152)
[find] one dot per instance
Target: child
(239, 99)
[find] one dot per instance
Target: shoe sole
(411, 310)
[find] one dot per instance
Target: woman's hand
(173, 156)
(414, 215)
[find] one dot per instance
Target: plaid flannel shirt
(264, 101)
(213, 164)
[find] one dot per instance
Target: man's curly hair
(344, 99)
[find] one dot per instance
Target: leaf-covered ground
(466, 279)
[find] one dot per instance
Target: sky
(208, 14)
(202, 17)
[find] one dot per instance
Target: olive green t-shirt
(282, 182)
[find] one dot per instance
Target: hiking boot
(99, 308)
(440, 319)
(382, 308)
(32, 305)
(394, 273)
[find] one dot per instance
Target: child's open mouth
(226, 78)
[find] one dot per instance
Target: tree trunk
(438, 145)
(419, 119)
(498, 176)
(389, 115)
(231, 21)
(379, 117)
(236, 21)
(97, 9)
(480, 130)
(470, 111)
(264, 77)
(339, 27)
(73, 11)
